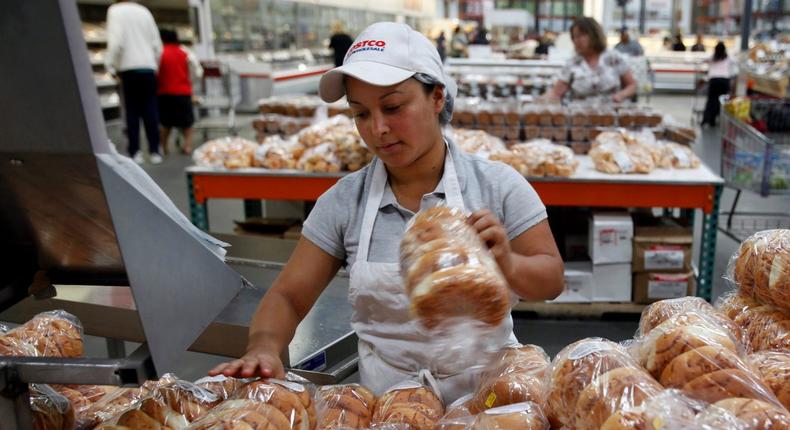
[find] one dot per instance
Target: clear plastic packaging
(187, 399)
(671, 155)
(49, 409)
(547, 159)
(278, 153)
(320, 159)
(448, 271)
(319, 133)
(761, 267)
(667, 410)
(519, 416)
(457, 416)
(344, 406)
(351, 149)
(477, 142)
(292, 399)
(243, 415)
(512, 159)
(228, 152)
(576, 367)
(743, 414)
(409, 403)
(517, 375)
(221, 386)
(658, 312)
(52, 334)
(611, 153)
(111, 405)
(765, 327)
(774, 368)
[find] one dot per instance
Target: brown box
(512, 118)
(662, 248)
(558, 118)
(650, 287)
(579, 134)
(531, 117)
(545, 117)
(531, 132)
(547, 132)
(560, 134)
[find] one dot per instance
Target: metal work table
(686, 189)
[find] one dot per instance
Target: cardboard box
(611, 237)
(664, 248)
(653, 286)
(612, 282)
(579, 283)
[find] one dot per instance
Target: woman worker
(400, 97)
(594, 70)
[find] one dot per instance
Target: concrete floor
(551, 334)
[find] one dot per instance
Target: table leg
(707, 256)
(115, 348)
(198, 212)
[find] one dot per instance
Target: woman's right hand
(254, 363)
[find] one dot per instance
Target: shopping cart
(755, 162)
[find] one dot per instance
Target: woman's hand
(617, 98)
(254, 363)
(493, 234)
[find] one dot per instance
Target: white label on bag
(666, 289)
(291, 386)
(461, 401)
(405, 385)
(624, 162)
(508, 409)
(664, 259)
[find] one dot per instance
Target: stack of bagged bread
(341, 146)
(322, 158)
(477, 142)
(344, 406)
(448, 271)
(591, 380)
(48, 334)
(617, 152)
(410, 404)
(761, 267)
(227, 152)
(774, 368)
(671, 155)
(539, 158)
(278, 153)
(765, 327)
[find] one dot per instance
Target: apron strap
(375, 195)
(426, 378)
(452, 188)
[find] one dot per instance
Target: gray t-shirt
(335, 222)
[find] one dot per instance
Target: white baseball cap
(384, 54)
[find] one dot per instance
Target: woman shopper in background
(594, 71)
(177, 68)
(719, 74)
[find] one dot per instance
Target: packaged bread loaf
(187, 399)
(82, 397)
(516, 375)
(292, 399)
(512, 159)
(671, 155)
(761, 267)
(519, 416)
(344, 406)
(243, 415)
(110, 406)
(547, 159)
(658, 312)
(774, 368)
(352, 151)
(409, 403)
(457, 416)
(319, 133)
(765, 327)
(221, 386)
(667, 410)
(477, 142)
(278, 153)
(743, 414)
(228, 152)
(574, 368)
(51, 334)
(49, 409)
(320, 159)
(448, 271)
(612, 154)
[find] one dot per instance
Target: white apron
(393, 347)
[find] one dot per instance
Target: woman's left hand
(493, 234)
(617, 97)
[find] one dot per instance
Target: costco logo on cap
(367, 45)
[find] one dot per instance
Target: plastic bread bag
(761, 267)
(242, 415)
(292, 399)
(512, 159)
(519, 416)
(616, 152)
(344, 406)
(674, 155)
(667, 410)
(517, 376)
(239, 153)
(574, 368)
(278, 153)
(222, 386)
(477, 142)
(545, 158)
(774, 368)
(186, 398)
(211, 153)
(410, 403)
(49, 409)
(658, 312)
(352, 151)
(149, 412)
(743, 414)
(53, 334)
(765, 327)
(81, 397)
(457, 416)
(448, 271)
(110, 406)
(15, 347)
(315, 134)
(320, 159)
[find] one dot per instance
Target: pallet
(601, 310)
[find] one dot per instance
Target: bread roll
(774, 367)
(660, 311)
(626, 420)
(13, 347)
(163, 414)
(53, 334)
(111, 405)
(723, 384)
(508, 389)
(762, 267)
(345, 405)
(523, 359)
(616, 389)
(222, 386)
(281, 398)
(750, 414)
(409, 396)
(49, 409)
(241, 415)
(734, 305)
(697, 362)
(574, 368)
(415, 415)
(523, 416)
(139, 420)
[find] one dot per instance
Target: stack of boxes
(662, 263)
(611, 238)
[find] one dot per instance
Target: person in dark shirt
(340, 42)
(698, 47)
(441, 46)
(677, 43)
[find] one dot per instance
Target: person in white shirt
(133, 51)
(719, 74)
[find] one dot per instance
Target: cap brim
(331, 87)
